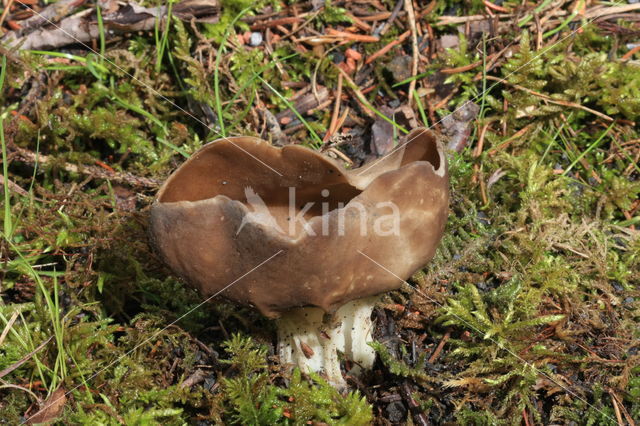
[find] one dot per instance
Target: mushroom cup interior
(425, 148)
(296, 179)
(288, 181)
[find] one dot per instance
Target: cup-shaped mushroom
(292, 233)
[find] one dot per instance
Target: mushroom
(239, 201)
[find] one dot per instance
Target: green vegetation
(534, 292)
(254, 400)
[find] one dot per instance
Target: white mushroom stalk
(310, 339)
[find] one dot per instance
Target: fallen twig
(454, 20)
(276, 22)
(388, 47)
(351, 36)
(600, 11)
(5, 12)
(392, 17)
(359, 23)
(362, 100)
(93, 171)
(417, 413)
(439, 348)
(495, 7)
(54, 12)
(408, 5)
(619, 407)
(7, 328)
(197, 377)
(25, 358)
(467, 67)
(617, 410)
(515, 136)
(480, 144)
(15, 188)
(83, 26)
(336, 110)
(630, 53)
(525, 417)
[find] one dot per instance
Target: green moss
(254, 400)
(331, 15)
(535, 282)
(230, 10)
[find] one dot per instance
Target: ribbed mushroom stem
(310, 340)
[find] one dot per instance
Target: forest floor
(530, 311)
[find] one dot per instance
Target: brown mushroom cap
(200, 208)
